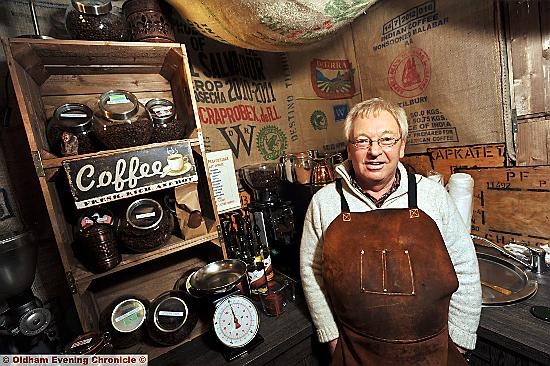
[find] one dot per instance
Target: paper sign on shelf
(224, 181)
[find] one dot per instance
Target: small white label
(127, 314)
(162, 111)
(171, 313)
(81, 343)
(73, 115)
(147, 214)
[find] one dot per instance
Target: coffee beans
(95, 22)
(146, 226)
(117, 135)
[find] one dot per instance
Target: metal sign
(99, 179)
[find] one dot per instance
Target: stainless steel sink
(500, 275)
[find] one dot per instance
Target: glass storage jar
(121, 120)
(69, 130)
(165, 125)
(146, 226)
(95, 20)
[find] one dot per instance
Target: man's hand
(332, 345)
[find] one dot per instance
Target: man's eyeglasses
(383, 142)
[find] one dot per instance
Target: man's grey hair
(373, 107)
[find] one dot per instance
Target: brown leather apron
(389, 280)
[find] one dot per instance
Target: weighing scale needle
(237, 325)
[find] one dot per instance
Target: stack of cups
(461, 189)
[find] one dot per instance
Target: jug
(298, 167)
(322, 172)
(280, 292)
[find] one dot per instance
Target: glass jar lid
(87, 343)
(73, 117)
(170, 314)
(118, 105)
(95, 215)
(144, 214)
(92, 7)
(128, 315)
(161, 110)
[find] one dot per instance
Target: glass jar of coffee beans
(165, 125)
(121, 120)
(146, 226)
(69, 130)
(95, 20)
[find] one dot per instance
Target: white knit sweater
(433, 199)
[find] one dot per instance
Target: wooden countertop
(280, 334)
(514, 328)
(511, 327)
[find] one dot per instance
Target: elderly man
(388, 268)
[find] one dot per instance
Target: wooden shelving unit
(49, 73)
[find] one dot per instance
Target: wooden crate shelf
(49, 73)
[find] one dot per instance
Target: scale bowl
(218, 277)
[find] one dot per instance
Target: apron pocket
(387, 272)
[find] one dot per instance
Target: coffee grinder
(273, 215)
(23, 318)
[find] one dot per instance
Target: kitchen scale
(235, 319)
(236, 323)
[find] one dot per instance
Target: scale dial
(236, 321)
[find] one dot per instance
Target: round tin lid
(161, 110)
(118, 105)
(170, 314)
(144, 214)
(128, 315)
(73, 117)
(92, 7)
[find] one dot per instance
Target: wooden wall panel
(511, 204)
(530, 65)
(448, 159)
(533, 142)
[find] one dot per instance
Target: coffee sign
(99, 179)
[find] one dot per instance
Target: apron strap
(343, 203)
(412, 190)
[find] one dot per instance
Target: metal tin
(147, 21)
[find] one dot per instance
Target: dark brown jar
(171, 318)
(121, 120)
(146, 226)
(90, 343)
(69, 130)
(147, 21)
(165, 125)
(96, 241)
(95, 20)
(124, 319)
